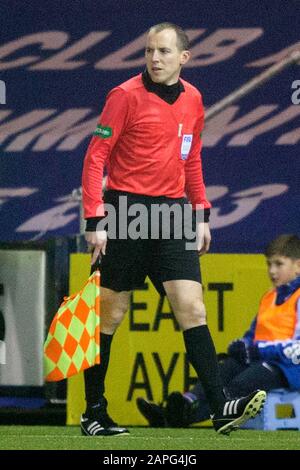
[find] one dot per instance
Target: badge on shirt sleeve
(186, 145)
(103, 132)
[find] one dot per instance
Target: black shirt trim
(168, 93)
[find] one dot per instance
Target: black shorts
(165, 258)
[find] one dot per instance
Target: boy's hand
(243, 352)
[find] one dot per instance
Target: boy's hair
(284, 245)
(183, 42)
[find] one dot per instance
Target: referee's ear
(185, 57)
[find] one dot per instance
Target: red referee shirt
(149, 146)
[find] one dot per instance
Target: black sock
(94, 377)
(202, 355)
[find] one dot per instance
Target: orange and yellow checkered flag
(73, 341)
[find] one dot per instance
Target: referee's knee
(198, 313)
(111, 320)
(193, 315)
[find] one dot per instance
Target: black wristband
(91, 223)
(205, 212)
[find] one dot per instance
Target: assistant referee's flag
(73, 341)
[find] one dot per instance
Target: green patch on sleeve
(103, 132)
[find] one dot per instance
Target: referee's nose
(155, 57)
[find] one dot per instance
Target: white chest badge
(186, 145)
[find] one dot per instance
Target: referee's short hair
(183, 42)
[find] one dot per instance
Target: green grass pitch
(69, 438)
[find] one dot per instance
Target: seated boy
(266, 357)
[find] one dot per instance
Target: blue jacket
(283, 354)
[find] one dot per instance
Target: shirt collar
(160, 89)
(286, 290)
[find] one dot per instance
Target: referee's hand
(203, 238)
(96, 243)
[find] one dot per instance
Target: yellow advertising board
(148, 357)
